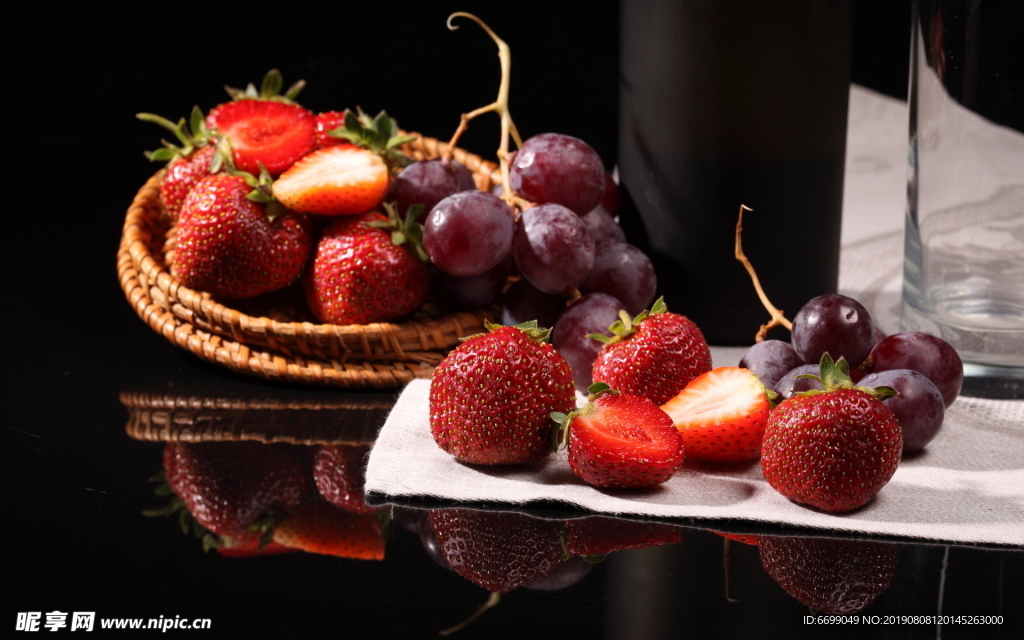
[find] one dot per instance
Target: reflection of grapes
(592, 313)
(918, 405)
(553, 167)
(468, 233)
(833, 324)
(925, 353)
(624, 272)
(552, 248)
(427, 182)
(770, 360)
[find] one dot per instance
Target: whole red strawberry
(831, 575)
(228, 487)
(182, 174)
(496, 550)
(832, 449)
(491, 398)
(339, 475)
(229, 245)
(653, 355)
(620, 441)
(193, 158)
(361, 273)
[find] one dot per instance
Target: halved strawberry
(317, 527)
(338, 180)
(722, 415)
(271, 133)
(620, 440)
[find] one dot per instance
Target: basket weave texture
(274, 345)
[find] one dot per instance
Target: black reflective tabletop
(93, 396)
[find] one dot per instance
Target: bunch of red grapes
(925, 371)
(568, 241)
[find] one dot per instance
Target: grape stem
(778, 319)
(500, 106)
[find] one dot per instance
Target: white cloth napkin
(968, 486)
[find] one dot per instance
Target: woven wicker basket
(277, 345)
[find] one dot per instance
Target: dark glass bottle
(726, 103)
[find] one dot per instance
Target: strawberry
(745, 538)
(600, 535)
(339, 476)
(253, 548)
(620, 441)
(196, 158)
(721, 415)
(325, 123)
(229, 245)
(229, 487)
(491, 397)
(360, 273)
(317, 527)
(653, 355)
(496, 550)
(336, 180)
(832, 575)
(833, 449)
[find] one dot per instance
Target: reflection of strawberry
(832, 449)
(496, 550)
(317, 527)
(335, 180)
(745, 538)
(721, 415)
(620, 440)
(834, 576)
(227, 244)
(339, 475)
(253, 548)
(228, 487)
(653, 355)
(360, 275)
(598, 535)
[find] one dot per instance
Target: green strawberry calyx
(560, 434)
(191, 135)
(379, 134)
(530, 328)
(404, 230)
(270, 89)
(835, 374)
(625, 326)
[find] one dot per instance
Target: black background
(73, 155)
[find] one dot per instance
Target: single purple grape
(918, 405)
(552, 248)
(834, 324)
(523, 302)
(924, 353)
(603, 227)
(770, 360)
(476, 291)
(556, 168)
(791, 383)
(427, 182)
(468, 232)
(624, 272)
(589, 314)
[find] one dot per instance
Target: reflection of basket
(385, 355)
(349, 419)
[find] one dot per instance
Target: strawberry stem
(777, 317)
(500, 106)
(492, 601)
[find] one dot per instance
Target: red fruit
(654, 355)
(253, 548)
(271, 133)
(317, 527)
(831, 575)
(598, 535)
(621, 441)
(491, 398)
(228, 487)
(721, 415)
(336, 180)
(339, 473)
(325, 123)
(496, 550)
(832, 449)
(227, 245)
(182, 174)
(359, 275)
(750, 539)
